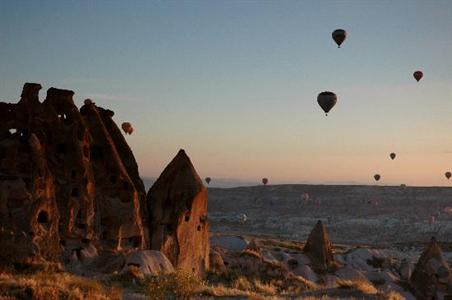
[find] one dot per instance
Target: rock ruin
(178, 216)
(67, 178)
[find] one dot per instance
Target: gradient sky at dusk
(235, 83)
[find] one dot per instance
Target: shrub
(178, 285)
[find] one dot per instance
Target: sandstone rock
(178, 216)
(229, 242)
(405, 269)
(268, 256)
(65, 177)
(216, 262)
(252, 246)
(382, 277)
(150, 262)
(367, 260)
(88, 253)
(349, 273)
(319, 248)
(116, 195)
(431, 274)
(330, 281)
(28, 210)
(306, 272)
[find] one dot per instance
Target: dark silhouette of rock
(432, 275)
(66, 177)
(319, 248)
(178, 216)
(116, 195)
(28, 210)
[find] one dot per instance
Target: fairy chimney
(177, 204)
(432, 275)
(319, 248)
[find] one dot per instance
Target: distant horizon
(237, 183)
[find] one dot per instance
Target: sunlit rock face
(319, 248)
(116, 194)
(66, 177)
(432, 277)
(28, 211)
(177, 204)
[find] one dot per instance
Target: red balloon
(418, 75)
(265, 181)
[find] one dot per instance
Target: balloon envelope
(418, 75)
(326, 100)
(448, 175)
(264, 181)
(127, 127)
(392, 155)
(377, 177)
(339, 36)
(208, 179)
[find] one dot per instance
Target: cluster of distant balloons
(327, 100)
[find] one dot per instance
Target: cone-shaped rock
(177, 204)
(319, 248)
(431, 275)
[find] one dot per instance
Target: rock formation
(178, 216)
(319, 248)
(28, 210)
(66, 177)
(149, 262)
(432, 275)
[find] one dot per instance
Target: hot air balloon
(418, 75)
(447, 210)
(208, 179)
(127, 127)
(326, 101)
(392, 155)
(88, 102)
(448, 174)
(265, 181)
(377, 177)
(305, 197)
(339, 36)
(243, 218)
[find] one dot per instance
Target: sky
(235, 83)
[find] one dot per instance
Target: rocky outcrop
(432, 276)
(116, 196)
(28, 210)
(67, 176)
(178, 216)
(319, 248)
(149, 262)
